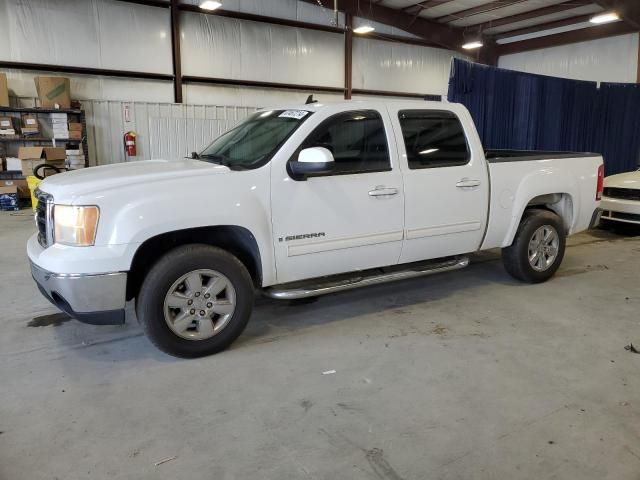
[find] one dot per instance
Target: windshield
(252, 143)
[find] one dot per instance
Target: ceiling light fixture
(364, 29)
(472, 45)
(210, 5)
(605, 18)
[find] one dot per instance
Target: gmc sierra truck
(299, 202)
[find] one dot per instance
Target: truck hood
(623, 180)
(69, 185)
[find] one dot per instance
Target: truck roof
(359, 104)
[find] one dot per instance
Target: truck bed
(501, 156)
(519, 176)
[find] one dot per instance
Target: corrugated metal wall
(164, 130)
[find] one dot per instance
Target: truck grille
(622, 193)
(44, 220)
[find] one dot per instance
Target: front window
(252, 143)
(357, 139)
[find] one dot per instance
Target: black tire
(173, 265)
(516, 257)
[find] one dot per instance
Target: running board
(326, 286)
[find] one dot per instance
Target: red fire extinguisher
(130, 144)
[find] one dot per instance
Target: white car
(298, 202)
(621, 198)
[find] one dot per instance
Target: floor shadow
(273, 318)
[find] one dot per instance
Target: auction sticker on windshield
(297, 114)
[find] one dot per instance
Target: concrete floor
(458, 376)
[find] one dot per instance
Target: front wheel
(195, 301)
(537, 249)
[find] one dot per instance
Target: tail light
(600, 182)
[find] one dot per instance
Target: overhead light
(472, 45)
(364, 29)
(605, 18)
(210, 5)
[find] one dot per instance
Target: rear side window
(357, 140)
(433, 139)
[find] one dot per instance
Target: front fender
(134, 214)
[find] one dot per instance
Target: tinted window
(433, 139)
(357, 140)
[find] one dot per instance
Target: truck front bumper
(95, 299)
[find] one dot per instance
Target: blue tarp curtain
(517, 110)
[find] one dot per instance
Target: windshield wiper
(218, 159)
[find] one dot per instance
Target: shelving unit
(38, 139)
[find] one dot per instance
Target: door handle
(464, 183)
(381, 191)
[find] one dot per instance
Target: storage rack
(25, 139)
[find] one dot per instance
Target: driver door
(350, 218)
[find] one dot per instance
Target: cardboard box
(20, 185)
(75, 135)
(75, 160)
(31, 157)
(6, 123)
(4, 91)
(30, 121)
(54, 91)
(11, 189)
(45, 153)
(74, 126)
(14, 164)
(30, 125)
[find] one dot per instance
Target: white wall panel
(48, 31)
(133, 37)
(229, 48)
(86, 33)
(380, 65)
(85, 87)
(258, 97)
(613, 59)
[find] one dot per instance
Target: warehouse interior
(470, 374)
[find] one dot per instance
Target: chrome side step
(326, 286)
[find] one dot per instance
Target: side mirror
(312, 162)
(194, 155)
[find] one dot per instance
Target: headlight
(75, 226)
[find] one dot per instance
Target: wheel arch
(236, 240)
(560, 203)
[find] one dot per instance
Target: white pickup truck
(299, 202)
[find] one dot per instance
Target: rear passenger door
(445, 181)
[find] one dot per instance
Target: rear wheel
(195, 301)
(537, 249)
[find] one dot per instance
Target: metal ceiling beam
(539, 12)
(566, 38)
(431, 31)
(420, 6)
(484, 8)
(149, 3)
(541, 27)
(629, 10)
(184, 7)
